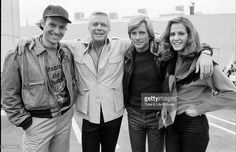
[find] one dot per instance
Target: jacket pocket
(118, 98)
(115, 66)
(75, 90)
(115, 60)
(81, 104)
(35, 95)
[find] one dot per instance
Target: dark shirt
(56, 79)
(145, 78)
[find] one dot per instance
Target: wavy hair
(192, 47)
(137, 21)
(97, 13)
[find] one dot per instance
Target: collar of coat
(184, 77)
(89, 44)
(39, 48)
(160, 54)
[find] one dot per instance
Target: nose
(57, 30)
(99, 26)
(137, 37)
(176, 37)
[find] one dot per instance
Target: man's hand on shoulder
(205, 65)
(23, 42)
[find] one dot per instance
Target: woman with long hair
(190, 130)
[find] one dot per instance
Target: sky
(31, 10)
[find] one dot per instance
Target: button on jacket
(100, 88)
(25, 88)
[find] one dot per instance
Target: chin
(178, 49)
(138, 46)
(55, 42)
(98, 36)
(99, 39)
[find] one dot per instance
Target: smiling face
(99, 28)
(54, 29)
(178, 37)
(140, 38)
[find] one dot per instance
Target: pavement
(222, 133)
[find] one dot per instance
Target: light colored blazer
(100, 88)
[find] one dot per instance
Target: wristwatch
(207, 52)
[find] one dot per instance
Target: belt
(47, 113)
(156, 112)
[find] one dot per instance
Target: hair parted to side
(193, 42)
(97, 13)
(137, 21)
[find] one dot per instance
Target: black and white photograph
(118, 76)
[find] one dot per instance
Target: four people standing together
(101, 69)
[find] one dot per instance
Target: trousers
(105, 133)
(49, 134)
(188, 134)
(144, 125)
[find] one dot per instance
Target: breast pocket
(115, 65)
(81, 66)
(115, 60)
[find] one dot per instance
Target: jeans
(105, 133)
(188, 134)
(142, 125)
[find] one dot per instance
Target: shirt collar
(39, 48)
(89, 45)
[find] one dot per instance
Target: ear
(89, 26)
(109, 29)
(42, 24)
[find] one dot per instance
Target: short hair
(96, 13)
(192, 46)
(137, 21)
(39, 23)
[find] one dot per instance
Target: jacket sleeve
(205, 46)
(226, 97)
(11, 92)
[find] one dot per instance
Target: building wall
(216, 30)
(10, 24)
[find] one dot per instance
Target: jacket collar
(89, 45)
(153, 49)
(130, 53)
(39, 48)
